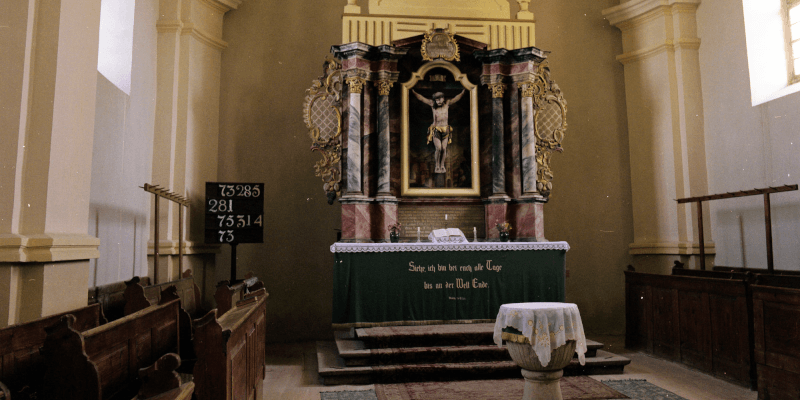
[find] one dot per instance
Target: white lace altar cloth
(426, 246)
(547, 326)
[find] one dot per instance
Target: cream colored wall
(590, 206)
(274, 53)
(275, 50)
(747, 147)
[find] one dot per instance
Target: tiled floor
(292, 375)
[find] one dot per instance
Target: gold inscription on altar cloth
(439, 44)
(469, 282)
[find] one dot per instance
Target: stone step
(355, 352)
(334, 370)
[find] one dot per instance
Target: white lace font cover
(426, 246)
(547, 326)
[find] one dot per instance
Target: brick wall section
(428, 217)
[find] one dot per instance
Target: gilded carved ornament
(550, 124)
(384, 87)
(439, 44)
(497, 89)
(356, 84)
(323, 117)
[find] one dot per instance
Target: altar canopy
(426, 283)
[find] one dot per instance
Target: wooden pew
(104, 362)
(755, 270)
(161, 382)
(20, 360)
(111, 298)
(230, 350)
(705, 323)
(776, 319)
(138, 295)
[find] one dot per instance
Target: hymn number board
(234, 212)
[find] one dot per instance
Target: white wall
(746, 147)
(122, 160)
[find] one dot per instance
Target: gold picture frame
(439, 138)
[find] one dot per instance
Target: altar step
(434, 353)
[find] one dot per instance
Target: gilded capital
(384, 87)
(497, 89)
(356, 84)
(528, 88)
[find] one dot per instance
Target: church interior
(668, 176)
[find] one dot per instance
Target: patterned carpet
(572, 388)
(641, 389)
(575, 388)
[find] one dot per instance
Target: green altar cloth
(381, 284)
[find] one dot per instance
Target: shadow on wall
(740, 235)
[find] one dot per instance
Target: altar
(382, 284)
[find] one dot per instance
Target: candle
(417, 234)
(445, 217)
(474, 234)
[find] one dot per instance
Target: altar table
(384, 284)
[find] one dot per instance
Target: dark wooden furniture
(20, 361)
(230, 351)
(776, 318)
(111, 298)
(104, 362)
(698, 321)
(137, 295)
(161, 382)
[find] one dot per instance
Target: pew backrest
(110, 355)
(20, 361)
(231, 351)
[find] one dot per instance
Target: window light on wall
(767, 47)
(792, 33)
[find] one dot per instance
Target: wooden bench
(104, 362)
(698, 321)
(20, 361)
(160, 381)
(138, 296)
(111, 299)
(230, 350)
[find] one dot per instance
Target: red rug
(572, 387)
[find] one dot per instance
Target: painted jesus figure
(440, 130)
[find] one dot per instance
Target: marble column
(498, 148)
(384, 166)
(356, 85)
(528, 141)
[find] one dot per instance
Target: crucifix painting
(440, 133)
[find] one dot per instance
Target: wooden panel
(695, 333)
(230, 351)
(777, 384)
(664, 324)
(731, 348)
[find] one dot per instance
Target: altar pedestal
(541, 339)
(382, 284)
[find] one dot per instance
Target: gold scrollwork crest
(439, 44)
(322, 115)
(550, 124)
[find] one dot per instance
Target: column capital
(356, 84)
(497, 88)
(384, 87)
